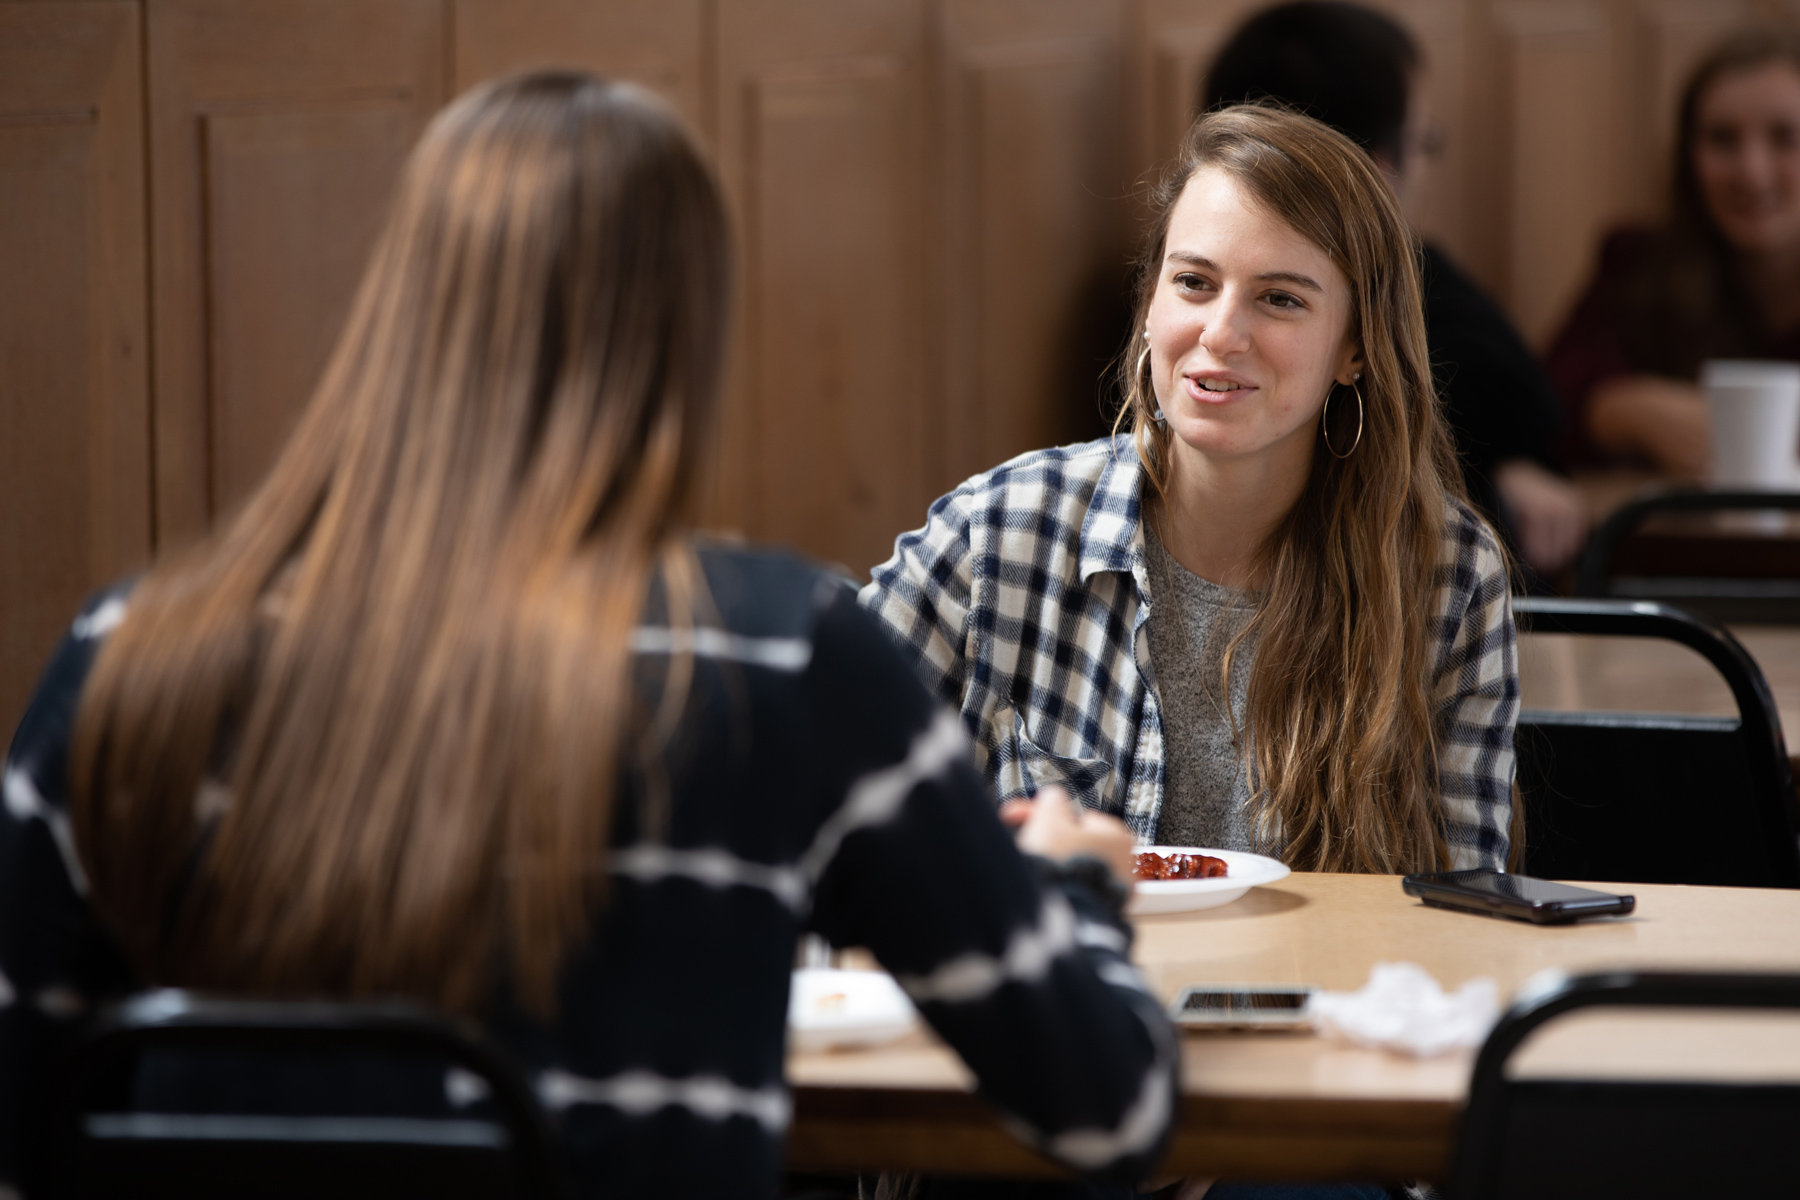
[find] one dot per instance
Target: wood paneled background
(929, 195)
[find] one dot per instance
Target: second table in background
(1565, 672)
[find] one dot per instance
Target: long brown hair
(365, 739)
(1687, 302)
(1339, 707)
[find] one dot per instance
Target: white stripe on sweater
(1139, 1124)
(24, 803)
(777, 654)
(100, 622)
(877, 797)
(1091, 1149)
(650, 862)
(1026, 959)
(640, 1093)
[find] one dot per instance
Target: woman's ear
(1350, 365)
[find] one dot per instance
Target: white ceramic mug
(1755, 423)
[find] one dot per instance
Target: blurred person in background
(458, 709)
(1720, 279)
(1360, 72)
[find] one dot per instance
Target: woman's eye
(1284, 300)
(1187, 281)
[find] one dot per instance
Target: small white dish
(1242, 872)
(829, 1008)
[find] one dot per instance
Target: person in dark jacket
(459, 709)
(1359, 71)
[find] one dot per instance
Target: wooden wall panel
(1036, 212)
(1178, 41)
(295, 196)
(1561, 159)
(819, 135)
(276, 129)
(662, 44)
(74, 386)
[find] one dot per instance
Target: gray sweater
(1206, 786)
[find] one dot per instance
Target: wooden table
(1296, 1106)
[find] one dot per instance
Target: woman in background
(1263, 619)
(457, 709)
(1720, 280)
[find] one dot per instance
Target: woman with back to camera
(1263, 619)
(1721, 279)
(457, 709)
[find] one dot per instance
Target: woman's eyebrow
(1293, 277)
(1207, 264)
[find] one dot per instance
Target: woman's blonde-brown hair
(366, 737)
(1339, 708)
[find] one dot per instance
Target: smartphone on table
(1243, 1006)
(1521, 897)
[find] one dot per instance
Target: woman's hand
(1665, 420)
(1052, 825)
(1548, 511)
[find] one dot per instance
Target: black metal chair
(177, 1095)
(1748, 579)
(1651, 797)
(1556, 1139)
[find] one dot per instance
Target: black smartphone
(1502, 894)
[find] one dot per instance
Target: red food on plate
(1150, 864)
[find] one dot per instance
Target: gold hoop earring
(1325, 424)
(1156, 413)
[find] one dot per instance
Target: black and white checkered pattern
(1023, 599)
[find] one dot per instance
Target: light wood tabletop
(1294, 1106)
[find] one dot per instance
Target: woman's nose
(1227, 332)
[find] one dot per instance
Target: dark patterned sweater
(814, 786)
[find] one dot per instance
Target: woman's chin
(1213, 434)
(1763, 235)
(1206, 438)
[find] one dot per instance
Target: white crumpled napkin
(1402, 1008)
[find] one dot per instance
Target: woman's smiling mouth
(1215, 389)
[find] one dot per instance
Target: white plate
(828, 1007)
(1242, 872)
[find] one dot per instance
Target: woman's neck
(1217, 513)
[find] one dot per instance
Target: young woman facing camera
(457, 709)
(1720, 280)
(1264, 619)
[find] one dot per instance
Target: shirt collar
(1112, 532)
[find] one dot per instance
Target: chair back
(1744, 577)
(1650, 797)
(178, 1095)
(1554, 1139)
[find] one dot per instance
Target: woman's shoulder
(765, 591)
(37, 749)
(1472, 554)
(1056, 471)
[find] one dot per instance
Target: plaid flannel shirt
(1023, 600)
